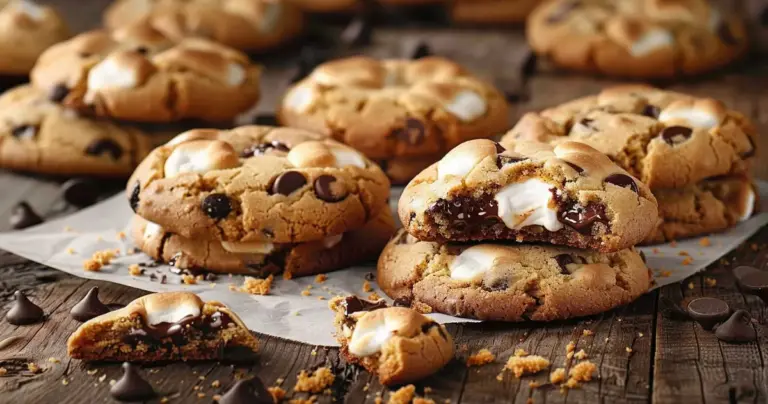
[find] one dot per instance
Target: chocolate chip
(418, 50)
(562, 11)
(24, 132)
(642, 257)
(142, 50)
(582, 218)
(622, 180)
(23, 216)
(466, 213)
(131, 386)
(412, 133)
(752, 281)
(708, 311)
(651, 111)
(426, 327)
(101, 146)
(402, 301)
(288, 182)
(726, 35)
(738, 328)
(675, 135)
(58, 93)
(495, 285)
(80, 192)
(575, 167)
(359, 32)
(134, 199)
(89, 307)
(563, 260)
(587, 123)
(266, 120)
(216, 206)
(502, 160)
(499, 148)
(23, 311)
(324, 188)
(263, 148)
(353, 304)
(251, 391)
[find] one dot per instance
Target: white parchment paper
(286, 312)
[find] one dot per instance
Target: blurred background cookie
(26, 30)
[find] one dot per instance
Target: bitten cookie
(509, 282)
(261, 258)
(403, 114)
(248, 25)
(707, 207)
(637, 38)
(257, 184)
(569, 194)
(141, 75)
(26, 30)
(666, 139)
(160, 327)
(37, 135)
(492, 11)
(398, 344)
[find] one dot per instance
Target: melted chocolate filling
(188, 328)
(353, 304)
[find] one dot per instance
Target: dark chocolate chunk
(353, 304)
(502, 160)
(251, 391)
(582, 218)
(402, 302)
(675, 135)
(575, 167)
(418, 50)
(102, 146)
(24, 131)
(134, 198)
(738, 328)
(131, 386)
(263, 148)
(142, 50)
(412, 133)
(23, 311)
(651, 111)
(58, 93)
(324, 189)
(288, 182)
(359, 32)
(708, 311)
(23, 216)
(587, 123)
(216, 206)
(622, 180)
(80, 192)
(467, 213)
(89, 307)
(562, 11)
(752, 281)
(499, 148)
(726, 34)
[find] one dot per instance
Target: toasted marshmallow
(151, 230)
(473, 262)
(467, 106)
(528, 203)
(300, 98)
(249, 247)
(171, 313)
(200, 156)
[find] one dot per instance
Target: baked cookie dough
(403, 114)
(161, 327)
(257, 184)
(569, 194)
(397, 344)
(248, 25)
(38, 135)
(26, 30)
(637, 38)
(707, 207)
(509, 282)
(666, 139)
(141, 75)
(492, 11)
(264, 258)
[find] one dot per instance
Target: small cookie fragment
(522, 365)
(317, 382)
(257, 286)
(482, 357)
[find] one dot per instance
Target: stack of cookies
(693, 153)
(469, 221)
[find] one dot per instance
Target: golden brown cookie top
(26, 30)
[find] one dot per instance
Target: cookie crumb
(71, 251)
(215, 384)
(526, 364)
(640, 334)
(3, 371)
(32, 367)
(581, 355)
(482, 357)
(256, 286)
(374, 297)
(690, 285)
(687, 261)
(200, 395)
(533, 384)
(135, 270)
(705, 242)
(188, 280)
(367, 287)
(68, 228)
(570, 347)
(54, 360)
(683, 253)
(91, 372)
(64, 382)
(520, 352)
(306, 292)
(278, 394)
(665, 273)
(91, 265)
(587, 332)
(655, 250)
(320, 379)
(120, 235)
(629, 350)
(321, 298)
(581, 372)
(321, 278)
(557, 376)
(711, 282)
(404, 395)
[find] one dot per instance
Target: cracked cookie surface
(257, 183)
(403, 114)
(38, 135)
(139, 74)
(637, 38)
(509, 282)
(248, 25)
(664, 138)
(26, 30)
(569, 194)
(397, 344)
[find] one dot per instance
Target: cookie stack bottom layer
(263, 258)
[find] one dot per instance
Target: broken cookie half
(398, 344)
(163, 326)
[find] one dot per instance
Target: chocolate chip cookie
(262, 258)
(38, 135)
(509, 282)
(492, 11)
(707, 207)
(404, 114)
(637, 38)
(142, 75)
(257, 184)
(666, 139)
(161, 327)
(26, 30)
(398, 344)
(569, 194)
(248, 25)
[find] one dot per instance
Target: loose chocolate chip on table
(370, 276)
(89, 307)
(131, 386)
(651, 111)
(23, 311)
(359, 32)
(412, 132)
(622, 180)
(752, 281)
(324, 185)
(675, 135)
(134, 199)
(58, 93)
(216, 206)
(101, 146)
(80, 192)
(708, 311)
(23, 216)
(417, 50)
(353, 304)
(738, 328)
(24, 131)
(251, 391)
(288, 182)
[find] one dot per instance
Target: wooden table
(671, 361)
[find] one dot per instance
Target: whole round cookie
(248, 25)
(141, 75)
(257, 183)
(26, 30)
(569, 194)
(492, 11)
(38, 135)
(707, 207)
(509, 282)
(637, 38)
(403, 114)
(262, 258)
(666, 139)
